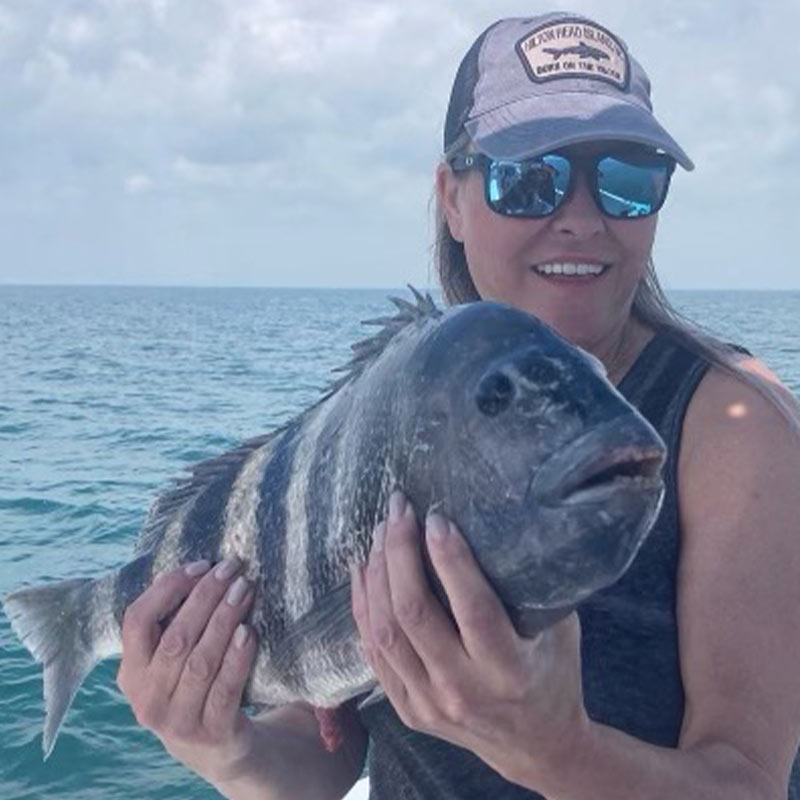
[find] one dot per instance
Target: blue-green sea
(108, 393)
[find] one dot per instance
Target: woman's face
(505, 256)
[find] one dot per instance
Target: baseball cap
(532, 85)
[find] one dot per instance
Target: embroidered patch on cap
(574, 49)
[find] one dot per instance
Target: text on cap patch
(574, 49)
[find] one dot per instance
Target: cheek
(490, 253)
(636, 238)
(497, 247)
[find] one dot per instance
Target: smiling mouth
(570, 269)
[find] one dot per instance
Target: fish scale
(419, 408)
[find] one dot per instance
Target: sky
(293, 142)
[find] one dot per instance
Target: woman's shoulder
(739, 460)
(737, 409)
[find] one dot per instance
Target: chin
(578, 330)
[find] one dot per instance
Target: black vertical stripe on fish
(361, 497)
(319, 506)
(204, 524)
(271, 520)
(165, 524)
(130, 582)
(319, 437)
(328, 503)
(335, 491)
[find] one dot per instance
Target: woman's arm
(739, 579)
(518, 704)
(287, 759)
(738, 609)
(185, 684)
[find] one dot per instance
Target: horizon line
(12, 284)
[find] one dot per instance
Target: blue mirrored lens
(630, 188)
(532, 188)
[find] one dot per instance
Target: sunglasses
(625, 184)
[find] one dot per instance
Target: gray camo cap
(531, 85)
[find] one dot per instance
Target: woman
(681, 680)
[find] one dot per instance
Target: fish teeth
(569, 268)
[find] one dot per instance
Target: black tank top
(629, 648)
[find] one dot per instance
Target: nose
(495, 393)
(529, 382)
(579, 217)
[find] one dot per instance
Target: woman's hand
(185, 681)
(516, 703)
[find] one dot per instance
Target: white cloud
(138, 184)
(226, 175)
(296, 113)
(74, 30)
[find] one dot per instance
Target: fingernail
(436, 527)
(241, 636)
(397, 505)
(237, 592)
(226, 569)
(378, 537)
(197, 568)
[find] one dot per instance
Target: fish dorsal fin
(190, 486)
(185, 489)
(365, 351)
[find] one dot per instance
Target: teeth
(569, 269)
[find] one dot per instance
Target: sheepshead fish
(480, 412)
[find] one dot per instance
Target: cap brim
(540, 124)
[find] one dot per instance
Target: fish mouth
(616, 457)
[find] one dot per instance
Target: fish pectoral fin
(53, 622)
(328, 623)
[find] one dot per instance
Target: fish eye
(539, 371)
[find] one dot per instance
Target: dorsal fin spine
(365, 351)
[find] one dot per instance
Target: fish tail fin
(55, 622)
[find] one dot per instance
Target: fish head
(553, 477)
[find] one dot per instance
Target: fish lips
(595, 501)
(624, 454)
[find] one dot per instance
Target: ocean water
(108, 393)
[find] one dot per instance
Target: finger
(388, 679)
(185, 629)
(387, 637)
(486, 630)
(419, 613)
(141, 628)
(223, 702)
(203, 663)
(394, 685)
